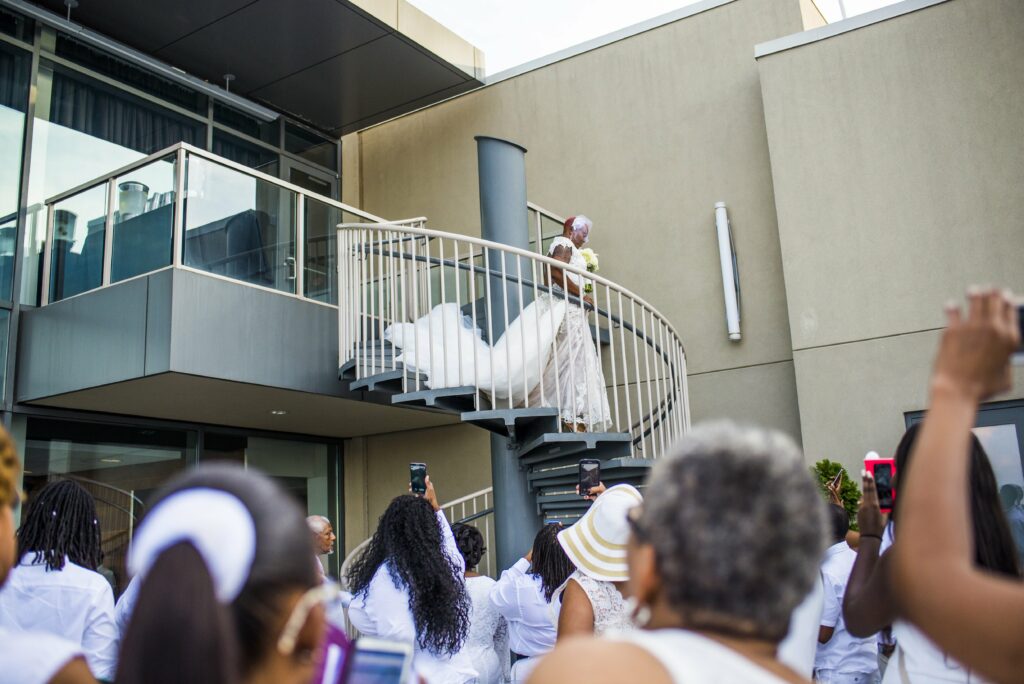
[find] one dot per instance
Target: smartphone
(590, 475)
(837, 480)
(884, 486)
(418, 477)
(376, 661)
(335, 660)
(1018, 356)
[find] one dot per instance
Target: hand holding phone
(590, 475)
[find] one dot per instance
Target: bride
(546, 357)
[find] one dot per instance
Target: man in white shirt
(841, 657)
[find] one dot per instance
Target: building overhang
(185, 346)
(340, 65)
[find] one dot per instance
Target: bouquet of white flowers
(593, 263)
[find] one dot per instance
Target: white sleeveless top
(923, 660)
(610, 613)
(691, 658)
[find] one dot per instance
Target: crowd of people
(730, 567)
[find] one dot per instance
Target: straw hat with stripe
(597, 543)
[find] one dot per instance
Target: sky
(513, 32)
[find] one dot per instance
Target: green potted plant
(825, 472)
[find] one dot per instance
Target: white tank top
(691, 658)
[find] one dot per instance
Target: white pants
(837, 677)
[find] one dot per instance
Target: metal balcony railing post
(178, 239)
(108, 232)
(44, 296)
(300, 245)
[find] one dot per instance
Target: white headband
(217, 523)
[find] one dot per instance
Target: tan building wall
(643, 135)
(898, 161)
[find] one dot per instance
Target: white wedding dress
(449, 350)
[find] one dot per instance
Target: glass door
(319, 268)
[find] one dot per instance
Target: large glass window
(239, 226)
(84, 129)
(16, 25)
(244, 152)
(15, 72)
(121, 466)
(267, 131)
(311, 146)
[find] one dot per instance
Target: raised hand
(869, 515)
(431, 496)
(974, 356)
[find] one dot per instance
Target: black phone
(883, 484)
(418, 477)
(590, 475)
(1020, 326)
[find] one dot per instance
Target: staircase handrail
(374, 281)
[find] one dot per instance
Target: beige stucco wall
(644, 136)
(458, 461)
(898, 161)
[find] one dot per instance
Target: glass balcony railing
(187, 208)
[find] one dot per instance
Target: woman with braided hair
(29, 657)
(55, 587)
(487, 642)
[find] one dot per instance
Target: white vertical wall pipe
(729, 276)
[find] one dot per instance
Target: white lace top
(576, 259)
(610, 614)
(487, 643)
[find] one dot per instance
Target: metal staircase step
(613, 471)
(454, 399)
(511, 422)
(557, 446)
(387, 380)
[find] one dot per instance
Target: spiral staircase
(398, 273)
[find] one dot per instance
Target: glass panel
(121, 466)
(143, 220)
(321, 268)
(243, 152)
(5, 320)
(1002, 444)
(15, 68)
(239, 226)
(83, 130)
(126, 72)
(311, 146)
(319, 182)
(267, 131)
(76, 262)
(13, 24)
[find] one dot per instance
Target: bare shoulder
(592, 660)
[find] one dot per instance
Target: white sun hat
(597, 543)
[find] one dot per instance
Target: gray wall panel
(226, 330)
(90, 340)
(158, 323)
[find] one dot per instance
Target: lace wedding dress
(445, 346)
(487, 643)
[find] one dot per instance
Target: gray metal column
(504, 219)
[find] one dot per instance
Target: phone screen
(883, 483)
(590, 475)
(418, 477)
(373, 666)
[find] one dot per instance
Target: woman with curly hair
(487, 642)
(408, 585)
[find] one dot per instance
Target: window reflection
(15, 66)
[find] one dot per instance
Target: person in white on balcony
(408, 586)
(523, 595)
(487, 643)
(592, 598)
(545, 357)
(54, 587)
(725, 545)
(580, 384)
(29, 657)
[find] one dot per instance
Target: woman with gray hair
(725, 546)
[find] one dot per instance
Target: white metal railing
(184, 207)
(474, 288)
(544, 226)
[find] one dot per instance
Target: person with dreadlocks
(487, 643)
(54, 587)
(408, 586)
(523, 596)
(29, 657)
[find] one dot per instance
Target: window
(244, 152)
(267, 131)
(15, 72)
(15, 25)
(311, 146)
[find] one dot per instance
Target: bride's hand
(588, 299)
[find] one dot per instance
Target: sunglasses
(323, 593)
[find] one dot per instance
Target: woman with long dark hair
(58, 553)
(227, 593)
(870, 602)
(523, 596)
(408, 585)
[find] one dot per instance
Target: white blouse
(532, 621)
(74, 603)
(382, 611)
(33, 657)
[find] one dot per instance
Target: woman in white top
(487, 643)
(55, 587)
(870, 605)
(408, 585)
(592, 598)
(725, 545)
(523, 595)
(29, 657)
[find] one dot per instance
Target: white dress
(610, 610)
(691, 658)
(33, 657)
(487, 643)
(520, 368)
